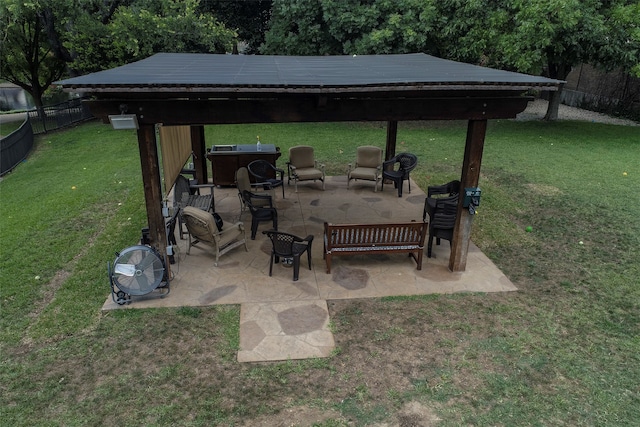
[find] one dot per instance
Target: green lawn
(564, 350)
(8, 127)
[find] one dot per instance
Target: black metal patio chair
(442, 212)
(406, 163)
(260, 213)
(266, 175)
(287, 245)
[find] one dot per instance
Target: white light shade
(124, 121)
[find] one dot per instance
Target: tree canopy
(541, 37)
(28, 59)
(143, 28)
(334, 27)
(43, 40)
(249, 18)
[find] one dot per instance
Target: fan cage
(136, 271)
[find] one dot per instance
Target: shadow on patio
(283, 319)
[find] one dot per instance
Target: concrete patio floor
(281, 319)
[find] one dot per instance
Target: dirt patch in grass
(297, 416)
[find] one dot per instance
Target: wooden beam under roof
(308, 109)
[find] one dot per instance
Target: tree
(143, 28)
(249, 18)
(43, 40)
(547, 37)
(541, 37)
(28, 58)
(334, 27)
(381, 26)
(297, 27)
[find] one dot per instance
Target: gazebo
(183, 89)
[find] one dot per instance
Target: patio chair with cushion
(186, 194)
(261, 208)
(266, 175)
(244, 184)
(406, 163)
(204, 228)
(302, 166)
(289, 246)
(368, 165)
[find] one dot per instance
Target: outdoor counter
(227, 159)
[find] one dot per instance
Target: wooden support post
(476, 131)
(153, 189)
(392, 137)
(198, 147)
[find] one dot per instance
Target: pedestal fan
(137, 270)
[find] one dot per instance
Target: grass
(565, 350)
(8, 127)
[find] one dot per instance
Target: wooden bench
(358, 239)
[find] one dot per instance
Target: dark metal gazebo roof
(205, 73)
(196, 89)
